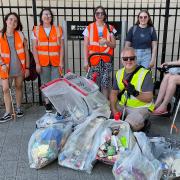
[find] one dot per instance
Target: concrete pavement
(14, 137)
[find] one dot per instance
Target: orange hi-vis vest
(5, 52)
(48, 48)
(95, 47)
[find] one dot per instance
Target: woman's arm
(154, 53)
(112, 42)
(27, 58)
(35, 54)
(62, 53)
(171, 63)
(127, 44)
(86, 42)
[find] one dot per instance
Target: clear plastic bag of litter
(49, 119)
(45, 143)
(79, 152)
(75, 96)
(138, 163)
(115, 136)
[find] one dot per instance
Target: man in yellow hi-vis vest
(133, 90)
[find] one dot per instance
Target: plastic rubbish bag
(168, 152)
(80, 150)
(49, 119)
(115, 136)
(138, 164)
(75, 96)
(45, 144)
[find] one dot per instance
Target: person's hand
(164, 65)
(4, 67)
(38, 68)
(102, 41)
(27, 73)
(151, 65)
(86, 68)
(131, 90)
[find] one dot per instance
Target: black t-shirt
(141, 38)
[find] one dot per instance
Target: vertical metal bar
(2, 9)
(64, 26)
(165, 34)
(10, 5)
(119, 39)
(35, 23)
(178, 48)
(159, 29)
(73, 39)
(64, 9)
(174, 33)
(80, 42)
(57, 12)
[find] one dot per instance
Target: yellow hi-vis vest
(137, 81)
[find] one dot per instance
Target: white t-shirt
(47, 31)
(100, 30)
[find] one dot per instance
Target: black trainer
(19, 113)
(48, 108)
(5, 118)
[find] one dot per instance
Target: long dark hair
(41, 13)
(19, 25)
(149, 23)
(100, 7)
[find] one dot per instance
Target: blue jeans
(143, 57)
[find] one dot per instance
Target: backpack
(32, 68)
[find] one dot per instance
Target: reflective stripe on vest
(48, 48)
(5, 52)
(95, 47)
(137, 81)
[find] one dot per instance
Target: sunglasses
(143, 17)
(99, 13)
(131, 58)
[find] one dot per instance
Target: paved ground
(14, 137)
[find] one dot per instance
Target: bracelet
(26, 68)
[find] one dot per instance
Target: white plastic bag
(80, 150)
(49, 119)
(138, 164)
(45, 144)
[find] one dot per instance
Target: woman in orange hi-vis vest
(99, 38)
(14, 63)
(48, 43)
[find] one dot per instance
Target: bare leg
(162, 90)
(105, 91)
(7, 98)
(18, 86)
(171, 88)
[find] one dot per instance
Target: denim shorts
(49, 73)
(143, 57)
(104, 74)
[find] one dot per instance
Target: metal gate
(165, 15)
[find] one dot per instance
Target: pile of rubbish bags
(81, 133)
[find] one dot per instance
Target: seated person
(167, 90)
(137, 93)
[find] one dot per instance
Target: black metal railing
(165, 16)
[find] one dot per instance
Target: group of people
(132, 90)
